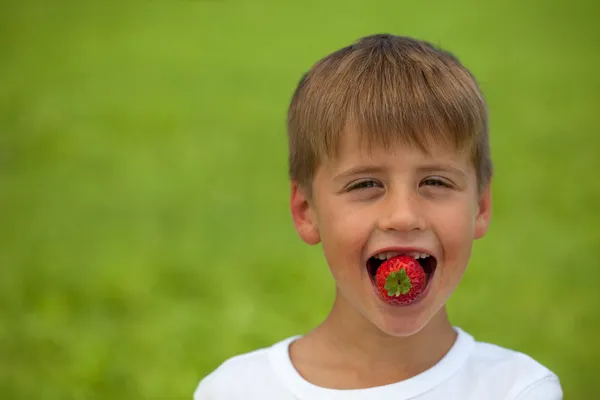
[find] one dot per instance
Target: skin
(365, 202)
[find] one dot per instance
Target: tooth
(424, 255)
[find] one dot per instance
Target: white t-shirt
(471, 370)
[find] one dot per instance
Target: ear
(484, 212)
(303, 215)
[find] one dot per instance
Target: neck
(349, 338)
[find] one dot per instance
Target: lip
(403, 250)
(400, 249)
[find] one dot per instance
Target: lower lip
(419, 300)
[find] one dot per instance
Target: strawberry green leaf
(397, 283)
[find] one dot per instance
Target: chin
(406, 320)
(403, 324)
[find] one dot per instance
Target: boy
(390, 171)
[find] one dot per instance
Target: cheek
(343, 236)
(455, 230)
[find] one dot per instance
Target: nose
(402, 212)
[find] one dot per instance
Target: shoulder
(238, 370)
(248, 370)
(517, 374)
(496, 359)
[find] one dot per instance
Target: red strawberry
(400, 280)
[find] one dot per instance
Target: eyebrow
(362, 169)
(373, 169)
(442, 167)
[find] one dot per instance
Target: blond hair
(391, 89)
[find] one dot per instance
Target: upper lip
(402, 250)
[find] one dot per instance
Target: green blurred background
(143, 162)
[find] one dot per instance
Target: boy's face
(392, 199)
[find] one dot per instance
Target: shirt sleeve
(210, 388)
(206, 391)
(202, 392)
(548, 388)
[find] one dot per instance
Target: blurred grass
(143, 161)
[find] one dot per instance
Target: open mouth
(427, 262)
